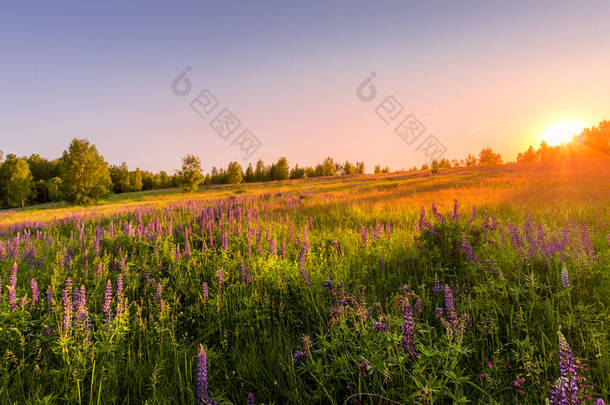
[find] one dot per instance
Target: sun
(563, 131)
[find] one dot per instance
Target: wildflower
(298, 355)
(566, 389)
(243, 273)
(202, 378)
(159, 292)
(12, 297)
(302, 268)
(436, 288)
(365, 367)
(407, 330)
(34, 292)
(363, 234)
(250, 399)
(68, 307)
(205, 293)
(337, 248)
(565, 277)
(467, 249)
(380, 326)
(119, 287)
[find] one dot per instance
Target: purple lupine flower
(566, 389)
(272, 248)
(408, 330)
(13, 277)
(34, 292)
(380, 326)
(388, 228)
(119, 287)
(298, 355)
(202, 377)
(363, 234)
(220, 280)
(98, 273)
(283, 248)
(82, 314)
(204, 290)
(68, 307)
(1, 295)
(12, 297)
(439, 217)
(107, 309)
(436, 288)
(249, 276)
(450, 307)
(565, 278)
(600, 401)
(302, 268)
(467, 249)
(250, 399)
(225, 241)
(438, 312)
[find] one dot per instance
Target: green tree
(190, 176)
(234, 174)
(377, 169)
(326, 168)
(135, 180)
(19, 187)
(249, 178)
(84, 173)
(297, 172)
(54, 189)
(262, 172)
(310, 172)
(120, 178)
(280, 170)
(471, 161)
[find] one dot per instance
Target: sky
(474, 74)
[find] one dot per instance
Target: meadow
(485, 285)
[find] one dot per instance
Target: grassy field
(470, 285)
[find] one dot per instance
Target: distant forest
(82, 176)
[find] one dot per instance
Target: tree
(529, 156)
(19, 187)
(54, 189)
(297, 172)
(234, 174)
(120, 178)
(360, 167)
(280, 170)
(84, 173)
(488, 157)
(41, 168)
(377, 169)
(249, 174)
(471, 161)
(191, 176)
(262, 172)
(6, 171)
(135, 180)
(326, 168)
(348, 168)
(310, 172)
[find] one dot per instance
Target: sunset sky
(475, 74)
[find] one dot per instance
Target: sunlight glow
(562, 132)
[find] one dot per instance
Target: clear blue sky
(475, 74)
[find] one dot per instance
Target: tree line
(82, 176)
